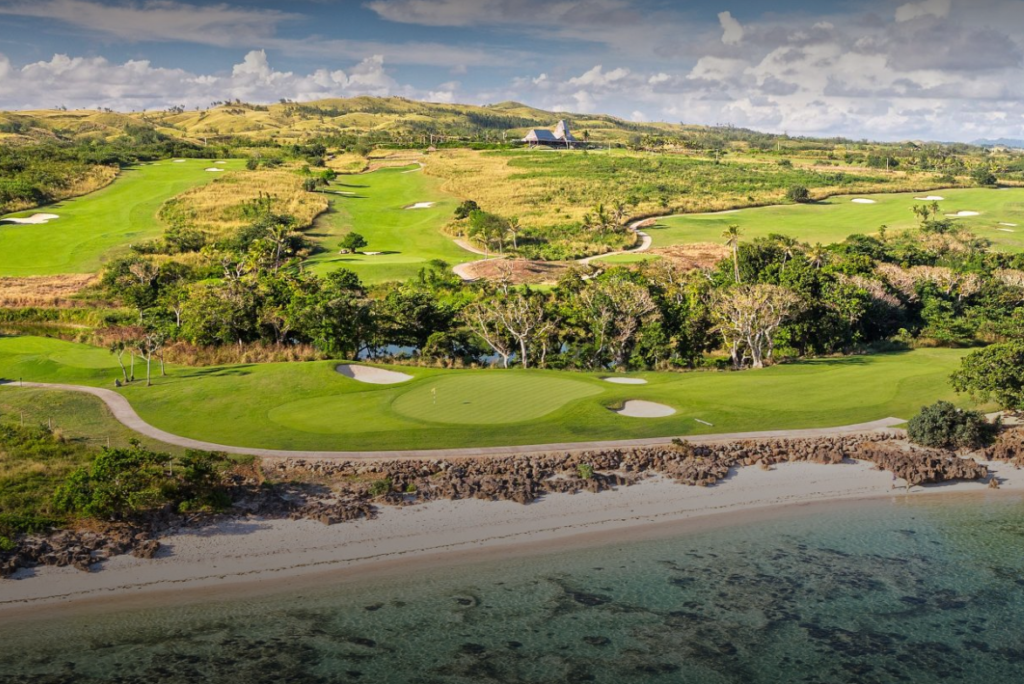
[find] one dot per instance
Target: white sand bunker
(1006, 230)
(371, 375)
(645, 409)
(964, 214)
(372, 253)
(626, 381)
(421, 205)
(214, 169)
(179, 161)
(220, 162)
(931, 198)
(33, 220)
(1009, 225)
(864, 201)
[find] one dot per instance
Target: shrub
(994, 373)
(944, 426)
(984, 177)
(798, 194)
(586, 471)
(381, 487)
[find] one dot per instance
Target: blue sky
(889, 69)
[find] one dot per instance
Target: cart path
(123, 412)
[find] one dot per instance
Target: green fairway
(93, 228)
(837, 218)
(406, 239)
(311, 406)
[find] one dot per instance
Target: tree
(353, 242)
(817, 255)
(944, 426)
(465, 209)
(798, 194)
(788, 246)
(310, 184)
(983, 176)
(994, 373)
(149, 345)
(732, 236)
(748, 317)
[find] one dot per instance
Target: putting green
(835, 219)
(405, 239)
(493, 399)
(309, 406)
(94, 228)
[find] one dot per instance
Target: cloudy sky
(881, 69)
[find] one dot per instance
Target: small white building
(561, 137)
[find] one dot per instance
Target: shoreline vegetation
(335, 507)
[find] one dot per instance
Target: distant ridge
(1000, 142)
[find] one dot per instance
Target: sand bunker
(1009, 225)
(220, 162)
(214, 169)
(864, 201)
(626, 381)
(421, 205)
(931, 198)
(179, 161)
(964, 214)
(372, 376)
(33, 220)
(645, 409)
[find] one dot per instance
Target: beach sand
(261, 555)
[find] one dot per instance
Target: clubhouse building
(560, 137)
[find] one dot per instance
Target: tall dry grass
(97, 178)
(185, 354)
(499, 187)
(45, 291)
(218, 207)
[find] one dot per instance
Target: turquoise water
(924, 591)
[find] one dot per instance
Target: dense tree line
(773, 298)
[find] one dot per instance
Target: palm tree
(732, 240)
(788, 245)
(817, 255)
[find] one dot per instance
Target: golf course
(999, 218)
(91, 229)
(311, 406)
(400, 212)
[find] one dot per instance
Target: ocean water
(920, 591)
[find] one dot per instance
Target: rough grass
(44, 291)
(311, 406)
(97, 227)
(218, 207)
(545, 188)
(835, 219)
(95, 178)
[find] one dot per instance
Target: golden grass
(218, 206)
(44, 291)
(488, 179)
(97, 178)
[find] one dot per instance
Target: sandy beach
(258, 555)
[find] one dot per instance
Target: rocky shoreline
(334, 492)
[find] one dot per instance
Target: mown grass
(545, 188)
(375, 208)
(837, 218)
(311, 406)
(219, 207)
(97, 227)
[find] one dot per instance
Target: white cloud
(732, 29)
(599, 77)
(925, 8)
(638, 117)
(94, 82)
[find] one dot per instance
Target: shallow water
(922, 591)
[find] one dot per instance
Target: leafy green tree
(984, 177)
(994, 373)
(465, 209)
(353, 242)
(944, 426)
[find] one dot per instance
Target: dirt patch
(55, 291)
(519, 271)
(695, 256)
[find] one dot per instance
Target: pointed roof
(562, 132)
